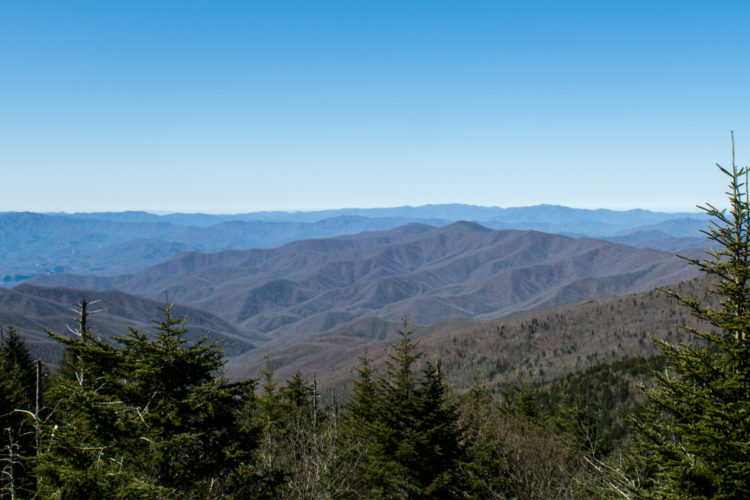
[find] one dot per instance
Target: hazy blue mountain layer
(120, 242)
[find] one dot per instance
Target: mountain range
(428, 273)
(554, 218)
(313, 302)
(122, 242)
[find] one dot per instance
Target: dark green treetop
(696, 433)
(144, 417)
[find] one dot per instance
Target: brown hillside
(428, 273)
(31, 308)
(534, 345)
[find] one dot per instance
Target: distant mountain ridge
(428, 273)
(120, 242)
(450, 212)
(33, 244)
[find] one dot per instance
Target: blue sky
(244, 106)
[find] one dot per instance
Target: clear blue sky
(242, 106)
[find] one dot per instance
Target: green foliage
(361, 407)
(15, 353)
(17, 404)
(301, 454)
(523, 400)
(266, 478)
(484, 464)
(408, 428)
(147, 417)
(17, 377)
(189, 413)
(694, 435)
(590, 406)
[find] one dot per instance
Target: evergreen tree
(695, 433)
(392, 444)
(581, 422)
(14, 351)
(485, 466)
(191, 439)
(149, 417)
(265, 475)
(80, 456)
(359, 419)
(362, 405)
(298, 398)
(413, 440)
(439, 437)
(17, 404)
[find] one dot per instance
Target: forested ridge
(150, 415)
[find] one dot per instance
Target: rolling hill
(30, 309)
(428, 273)
(533, 346)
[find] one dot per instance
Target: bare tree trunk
(39, 405)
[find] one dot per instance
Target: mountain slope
(31, 308)
(428, 273)
(532, 345)
(120, 242)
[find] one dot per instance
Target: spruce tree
(79, 451)
(191, 438)
(392, 446)
(359, 420)
(15, 352)
(439, 445)
(412, 437)
(17, 404)
(361, 407)
(695, 435)
(265, 475)
(486, 469)
(143, 417)
(298, 398)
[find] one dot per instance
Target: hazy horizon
(695, 211)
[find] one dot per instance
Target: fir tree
(149, 417)
(439, 437)
(298, 398)
(80, 456)
(265, 475)
(695, 433)
(191, 438)
(484, 464)
(362, 404)
(413, 440)
(359, 419)
(14, 351)
(17, 405)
